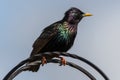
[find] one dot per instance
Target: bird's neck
(67, 31)
(70, 27)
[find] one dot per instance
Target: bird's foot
(43, 61)
(63, 61)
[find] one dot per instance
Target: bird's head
(74, 15)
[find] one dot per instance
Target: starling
(59, 36)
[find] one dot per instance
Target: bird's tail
(33, 68)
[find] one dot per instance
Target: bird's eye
(73, 13)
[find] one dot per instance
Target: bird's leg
(43, 61)
(63, 61)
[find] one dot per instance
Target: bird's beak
(86, 14)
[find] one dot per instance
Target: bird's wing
(47, 34)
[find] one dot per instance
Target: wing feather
(47, 34)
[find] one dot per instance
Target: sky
(98, 38)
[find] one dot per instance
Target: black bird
(59, 36)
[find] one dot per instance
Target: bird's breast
(67, 32)
(65, 38)
(62, 40)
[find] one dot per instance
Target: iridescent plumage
(59, 36)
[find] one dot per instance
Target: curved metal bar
(24, 68)
(14, 69)
(56, 54)
(82, 59)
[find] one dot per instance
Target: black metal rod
(54, 54)
(26, 67)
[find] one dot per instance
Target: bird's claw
(43, 61)
(63, 61)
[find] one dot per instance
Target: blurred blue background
(98, 39)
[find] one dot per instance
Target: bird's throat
(66, 30)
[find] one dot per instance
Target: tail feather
(34, 68)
